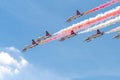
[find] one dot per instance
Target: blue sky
(72, 59)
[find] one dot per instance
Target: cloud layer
(10, 65)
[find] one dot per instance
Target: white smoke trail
(84, 24)
(96, 19)
(113, 30)
(102, 25)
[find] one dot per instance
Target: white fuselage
(117, 36)
(67, 37)
(42, 38)
(93, 36)
(72, 17)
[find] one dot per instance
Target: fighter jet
(98, 34)
(117, 36)
(34, 43)
(78, 14)
(68, 36)
(44, 37)
(38, 41)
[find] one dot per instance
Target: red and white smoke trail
(102, 25)
(113, 30)
(102, 6)
(91, 21)
(84, 24)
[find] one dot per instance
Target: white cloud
(12, 49)
(5, 70)
(5, 58)
(10, 65)
(23, 62)
(16, 71)
(15, 66)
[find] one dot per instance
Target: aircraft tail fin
(47, 33)
(72, 32)
(98, 31)
(78, 13)
(33, 42)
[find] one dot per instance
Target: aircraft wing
(117, 36)
(69, 19)
(28, 47)
(88, 39)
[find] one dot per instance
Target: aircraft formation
(38, 41)
(108, 18)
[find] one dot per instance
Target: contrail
(84, 24)
(91, 21)
(113, 30)
(102, 6)
(102, 25)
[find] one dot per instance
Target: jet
(68, 36)
(38, 41)
(78, 14)
(34, 43)
(117, 36)
(98, 34)
(44, 37)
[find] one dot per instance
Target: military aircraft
(44, 37)
(78, 14)
(117, 36)
(98, 34)
(68, 36)
(38, 41)
(34, 43)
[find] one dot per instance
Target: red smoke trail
(102, 6)
(91, 21)
(85, 24)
